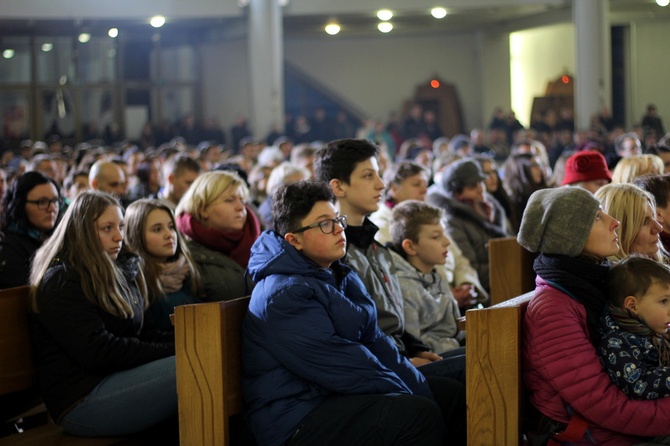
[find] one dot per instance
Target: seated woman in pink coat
(562, 371)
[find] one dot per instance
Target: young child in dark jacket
(317, 369)
(635, 348)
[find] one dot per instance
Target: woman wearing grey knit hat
(562, 371)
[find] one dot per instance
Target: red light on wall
(435, 84)
(565, 79)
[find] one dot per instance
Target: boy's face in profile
(320, 247)
(365, 187)
(430, 249)
(653, 307)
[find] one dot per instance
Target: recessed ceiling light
(46, 47)
(384, 15)
(385, 27)
(113, 32)
(438, 13)
(8, 53)
(84, 37)
(663, 2)
(157, 21)
(332, 28)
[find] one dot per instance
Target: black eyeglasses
(326, 226)
(44, 203)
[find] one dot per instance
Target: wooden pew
(494, 389)
(510, 269)
(18, 374)
(209, 346)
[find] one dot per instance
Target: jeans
(451, 366)
(372, 420)
(126, 402)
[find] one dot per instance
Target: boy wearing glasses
(317, 369)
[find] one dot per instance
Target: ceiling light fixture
(8, 53)
(385, 27)
(332, 28)
(384, 15)
(113, 32)
(46, 47)
(157, 21)
(84, 37)
(438, 13)
(663, 2)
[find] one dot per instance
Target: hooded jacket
(431, 312)
(310, 332)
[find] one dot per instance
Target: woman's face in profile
(646, 240)
(603, 241)
(227, 212)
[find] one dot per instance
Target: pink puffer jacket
(561, 367)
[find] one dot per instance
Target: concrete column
(593, 59)
(266, 66)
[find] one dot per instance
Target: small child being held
(634, 348)
(419, 243)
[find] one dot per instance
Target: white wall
(538, 56)
(375, 75)
(649, 71)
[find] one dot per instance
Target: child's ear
(408, 247)
(337, 187)
(630, 303)
(293, 240)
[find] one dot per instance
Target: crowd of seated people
(193, 213)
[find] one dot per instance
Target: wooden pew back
(17, 369)
(510, 269)
(208, 340)
(494, 389)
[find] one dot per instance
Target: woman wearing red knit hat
(587, 169)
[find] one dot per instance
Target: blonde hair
(136, 220)
(77, 244)
(628, 204)
(207, 188)
(627, 169)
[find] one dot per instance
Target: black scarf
(583, 279)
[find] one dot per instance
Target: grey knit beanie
(558, 221)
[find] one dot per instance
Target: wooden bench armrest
(494, 390)
(208, 343)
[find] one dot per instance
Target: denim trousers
(126, 402)
(372, 420)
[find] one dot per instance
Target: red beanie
(586, 166)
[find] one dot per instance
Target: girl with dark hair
(522, 175)
(171, 274)
(30, 209)
(103, 368)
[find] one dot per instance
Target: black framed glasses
(44, 203)
(326, 226)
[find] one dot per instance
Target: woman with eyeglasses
(30, 210)
(220, 228)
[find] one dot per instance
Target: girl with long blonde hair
(103, 368)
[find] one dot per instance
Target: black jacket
(77, 344)
(16, 253)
